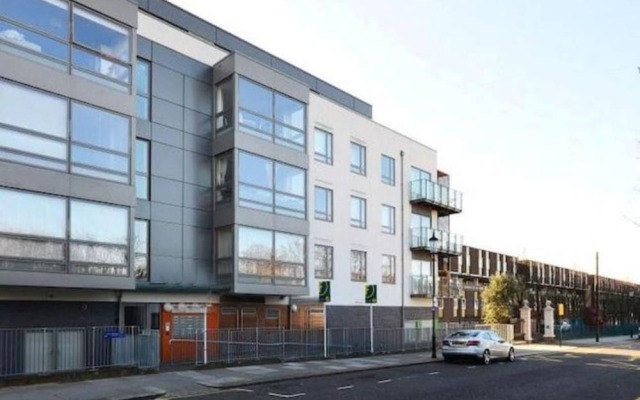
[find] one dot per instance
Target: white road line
(385, 381)
(345, 387)
(287, 396)
(471, 367)
(433, 373)
(242, 390)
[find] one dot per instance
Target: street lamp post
(433, 242)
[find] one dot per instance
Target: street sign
(371, 294)
(324, 291)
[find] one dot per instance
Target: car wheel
(512, 355)
(486, 357)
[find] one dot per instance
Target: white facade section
(347, 126)
(181, 42)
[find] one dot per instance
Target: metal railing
(447, 242)
(435, 193)
(228, 346)
(31, 351)
(421, 286)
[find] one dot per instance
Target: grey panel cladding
(259, 219)
(270, 77)
(197, 243)
(120, 10)
(188, 22)
(181, 63)
(198, 197)
(166, 213)
(166, 113)
(20, 278)
(254, 144)
(166, 239)
(417, 313)
(197, 123)
(198, 272)
(166, 162)
(201, 219)
(40, 314)
(197, 144)
(347, 316)
(167, 84)
(143, 209)
(197, 169)
(387, 317)
(198, 96)
(166, 135)
(165, 269)
(166, 191)
(143, 128)
(144, 47)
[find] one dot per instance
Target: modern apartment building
(156, 170)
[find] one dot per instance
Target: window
(36, 28)
(272, 258)
(323, 261)
(358, 266)
(271, 115)
(141, 249)
(323, 204)
(272, 313)
(100, 143)
(37, 137)
(101, 48)
(323, 146)
(388, 269)
(142, 169)
(419, 174)
(388, 170)
(143, 86)
(224, 254)
(224, 105)
(388, 219)
(224, 177)
(358, 212)
(358, 159)
(285, 195)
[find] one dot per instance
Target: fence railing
(49, 350)
(226, 346)
(506, 331)
(576, 331)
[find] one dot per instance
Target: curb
(150, 394)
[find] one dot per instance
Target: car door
(501, 345)
(490, 344)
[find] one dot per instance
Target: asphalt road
(552, 376)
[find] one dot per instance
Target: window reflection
(100, 34)
(358, 159)
(358, 212)
(99, 223)
(141, 249)
(48, 16)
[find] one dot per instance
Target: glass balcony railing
(447, 243)
(447, 200)
(421, 286)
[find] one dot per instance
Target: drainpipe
(402, 249)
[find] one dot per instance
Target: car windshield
(463, 334)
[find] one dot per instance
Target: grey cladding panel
(363, 108)
(201, 219)
(166, 113)
(197, 169)
(198, 96)
(294, 72)
(166, 135)
(197, 144)
(144, 47)
(143, 209)
(197, 243)
(181, 63)
(197, 123)
(197, 197)
(197, 272)
(166, 191)
(234, 43)
(167, 84)
(166, 239)
(166, 162)
(166, 269)
(335, 94)
(183, 19)
(166, 213)
(143, 128)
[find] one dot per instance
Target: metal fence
(51, 350)
(226, 346)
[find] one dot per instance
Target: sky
(533, 106)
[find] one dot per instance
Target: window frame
(389, 278)
(391, 229)
(360, 223)
(362, 158)
(137, 254)
(328, 194)
(327, 157)
(146, 96)
(360, 272)
(388, 180)
(144, 175)
(326, 272)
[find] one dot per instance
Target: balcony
(448, 243)
(442, 198)
(421, 286)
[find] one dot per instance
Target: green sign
(324, 293)
(371, 294)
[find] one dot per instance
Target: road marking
(345, 387)
(433, 373)
(471, 367)
(385, 381)
(287, 396)
(242, 390)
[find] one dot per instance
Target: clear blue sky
(533, 106)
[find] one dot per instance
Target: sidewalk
(170, 385)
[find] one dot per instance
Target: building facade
(158, 171)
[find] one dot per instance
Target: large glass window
(358, 212)
(323, 148)
(358, 159)
(358, 266)
(388, 170)
(100, 143)
(224, 177)
(419, 174)
(388, 219)
(224, 254)
(143, 88)
(323, 204)
(93, 222)
(268, 257)
(270, 186)
(323, 261)
(419, 221)
(141, 249)
(38, 29)
(142, 169)
(101, 46)
(271, 115)
(388, 269)
(23, 213)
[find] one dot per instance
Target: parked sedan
(477, 344)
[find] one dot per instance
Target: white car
(477, 344)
